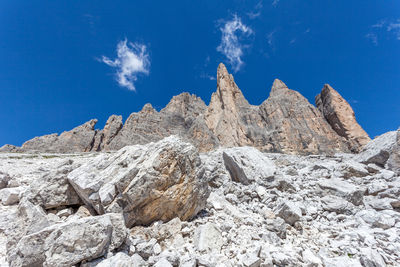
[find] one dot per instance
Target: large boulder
(159, 181)
(71, 242)
(378, 150)
(53, 190)
(247, 164)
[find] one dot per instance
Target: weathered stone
(343, 189)
(4, 179)
(340, 116)
(208, 238)
(159, 181)
(289, 211)
(71, 242)
(11, 196)
(118, 260)
(393, 162)
(336, 204)
(371, 258)
(53, 190)
(247, 164)
(376, 219)
(378, 150)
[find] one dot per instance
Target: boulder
(70, 243)
(159, 181)
(11, 196)
(336, 204)
(53, 190)
(378, 150)
(247, 164)
(118, 260)
(289, 211)
(371, 258)
(4, 179)
(343, 189)
(208, 238)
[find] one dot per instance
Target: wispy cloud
(382, 27)
(275, 2)
(271, 39)
(230, 45)
(132, 59)
(256, 12)
(394, 27)
(372, 37)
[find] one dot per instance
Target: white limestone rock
(289, 211)
(118, 260)
(378, 150)
(247, 164)
(159, 181)
(208, 238)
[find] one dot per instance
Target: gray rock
(79, 139)
(378, 150)
(11, 196)
(247, 164)
(118, 260)
(393, 162)
(4, 179)
(71, 242)
(289, 211)
(343, 189)
(53, 190)
(208, 238)
(336, 204)
(371, 258)
(159, 181)
(163, 263)
(376, 219)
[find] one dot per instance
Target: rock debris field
(166, 204)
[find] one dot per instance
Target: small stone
(371, 258)
(10, 196)
(289, 211)
(163, 263)
(208, 238)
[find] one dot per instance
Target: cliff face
(286, 122)
(339, 114)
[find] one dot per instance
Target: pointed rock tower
(223, 115)
(296, 126)
(340, 116)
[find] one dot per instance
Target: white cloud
(230, 45)
(275, 2)
(378, 29)
(372, 37)
(271, 39)
(132, 59)
(395, 28)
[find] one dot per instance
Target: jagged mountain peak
(285, 122)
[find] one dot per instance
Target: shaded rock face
(340, 116)
(294, 125)
(79, 139)
(286, 122)
(159, 181)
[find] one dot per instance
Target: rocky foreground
(166, 204)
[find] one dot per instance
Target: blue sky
(60, 67)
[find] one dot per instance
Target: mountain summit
(285, 122)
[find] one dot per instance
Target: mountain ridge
(285, 122)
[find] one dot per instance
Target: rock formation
(286, 122)
(340, 116)
(160, 181)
